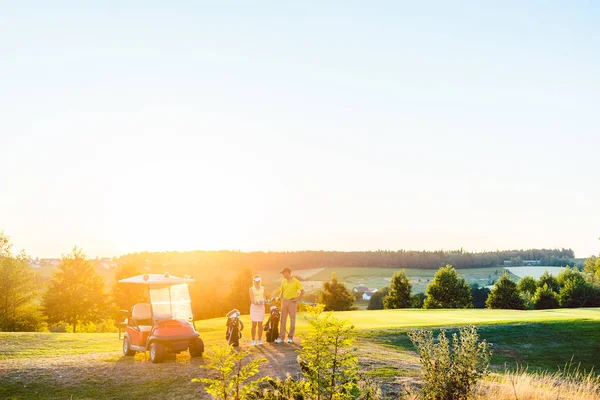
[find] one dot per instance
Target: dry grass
(522, 385)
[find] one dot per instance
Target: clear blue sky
(140, 125)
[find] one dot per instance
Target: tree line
(201, 261)
(571, 288)
(77, 298)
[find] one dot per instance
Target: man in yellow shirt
(291, 292)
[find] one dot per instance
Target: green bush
(417, 300)
(548, 279)
(399, 294)
(448, 290)
(328, 357)
(451, 369)
(527, 285)
(544, 298)
(336, 296)
(578, 293)
(376, 300)
(505, 295)
(233, 370)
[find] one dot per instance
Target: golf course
(91, 365)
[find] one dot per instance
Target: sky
(270, 125)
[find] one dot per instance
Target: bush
(479, 295)
(527, 285)
(549, 280)
(376, 300)
(505, 295)
(232, 372)
(417, 300)
(448, 290)
(544, 298)
(451, 370)
(328, 357)
(336, 296)
(568, 274)
(578, 293)
(399, 295)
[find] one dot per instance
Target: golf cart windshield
(171, 302)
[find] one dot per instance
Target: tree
(232, 376)
(18, 289)
(527, 285)
(376, 300)
(417, 300)
(548, 279)
(336, 296)
(238, 293)
(505, 295)
(544, 298)
(448, 290)
(127, 295)
(399, 295)
(328, 358)
(75, 293)
(591, 268)
(479, 295)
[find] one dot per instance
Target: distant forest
(180, 262)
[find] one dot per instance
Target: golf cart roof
(157, 279)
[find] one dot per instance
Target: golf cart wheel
(157, 352)
(126, 347)
(197, 348)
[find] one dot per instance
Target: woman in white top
(257, 309)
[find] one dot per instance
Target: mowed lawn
(38, 365)
(526, 329)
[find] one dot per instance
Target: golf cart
(166, 324)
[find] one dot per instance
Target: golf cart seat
(142, 315)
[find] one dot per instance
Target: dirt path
(112, 376)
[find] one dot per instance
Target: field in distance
(375, 278)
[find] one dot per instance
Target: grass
(542, 346)
(541, 340)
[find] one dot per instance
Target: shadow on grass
(538, 346)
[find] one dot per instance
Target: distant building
(360, 289)
(532, 262)
(367, 294)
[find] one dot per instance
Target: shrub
(232, 372)
(505, 295)
(328, 358)
(451, 370)
(376, 300)
(417, 300)
(578, 293)
(448, 290)
(399, 295)
(336, 296)
(568, 274)
(479, 295)
(544, 298)
(548, 279)
(527, 285)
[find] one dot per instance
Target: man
(291, 292)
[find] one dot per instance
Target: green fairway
(213, 330)
(91, 365)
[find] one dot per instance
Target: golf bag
(272, 325)
(234, 325)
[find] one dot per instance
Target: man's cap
(257, 278)
(285, 270)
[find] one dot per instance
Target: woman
(257, 309)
